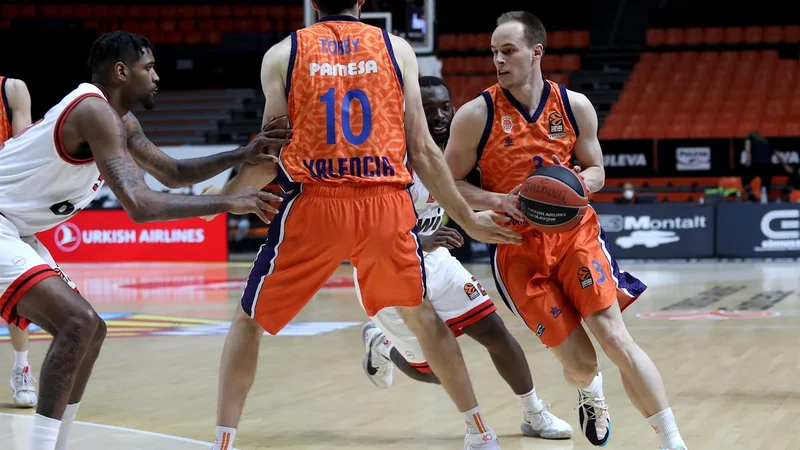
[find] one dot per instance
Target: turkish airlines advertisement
(107, 235)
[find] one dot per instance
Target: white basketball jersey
(429, 213)
(40, 184)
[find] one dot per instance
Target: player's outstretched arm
(96, 122)
(587, 147)
(427, 160)
(176, 173)
(19, 99)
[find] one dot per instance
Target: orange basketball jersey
(5, 113)
(515, 142)
(346, 106)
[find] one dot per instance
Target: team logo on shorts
(539, 330)
(555, 312)
(507, 124)
(585, 277)
(471, 291)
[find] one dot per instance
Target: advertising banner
(753, 230)
(658, 231)
(628, 158)
(110, 235)
(694, 157)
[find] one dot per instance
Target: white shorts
(455, 294)
(24, 261)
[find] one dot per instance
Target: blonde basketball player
(521, 123)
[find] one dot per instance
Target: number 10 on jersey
(331, 121)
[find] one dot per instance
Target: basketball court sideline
(723, 335)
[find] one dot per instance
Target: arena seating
(707, 94)
(710, 82)
(167, 24)
(189, 117)
(682, 189)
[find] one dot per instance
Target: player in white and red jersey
(53, 168)
(458, 298)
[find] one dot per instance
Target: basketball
(553, 199)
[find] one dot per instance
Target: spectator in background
(628, 195)
(757, 162)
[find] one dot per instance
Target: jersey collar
(338, 18)
(524, 111)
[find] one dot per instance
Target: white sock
(66, 424)
(20, 358)
(475, 422)
(596, 386)
(224, 438)
(385, 347)
(531, 403)
(44, 433)
(665, 427)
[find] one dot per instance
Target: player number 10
(330, 112)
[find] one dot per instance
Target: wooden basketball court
(730, 369)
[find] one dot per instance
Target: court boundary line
(130, 430)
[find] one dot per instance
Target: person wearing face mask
(628, 194)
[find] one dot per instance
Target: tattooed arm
(176, 173)
(99, 125)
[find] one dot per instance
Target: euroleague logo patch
(585, 277)
(471, 291)
(556, 121)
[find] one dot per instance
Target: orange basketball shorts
(553, 281)
(315, 230)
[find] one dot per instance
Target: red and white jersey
(41, 185)
(429, 213)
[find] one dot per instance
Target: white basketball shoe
(24, 387)
(482, 441)
(545, 425)
(377, 367)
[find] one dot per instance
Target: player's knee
(247, 325)
(616, 343)
(581, 370)
(490, 331)
(81, 326)
(100, 333)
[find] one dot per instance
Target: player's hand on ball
(252, 200)
(484, 228)
(263, 148)
(558, 162)
(443, 237)
(511, 204)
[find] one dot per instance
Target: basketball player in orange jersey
(88, 138)
(457, 297)
(15, 115)
(553, 281)
(345, 86)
